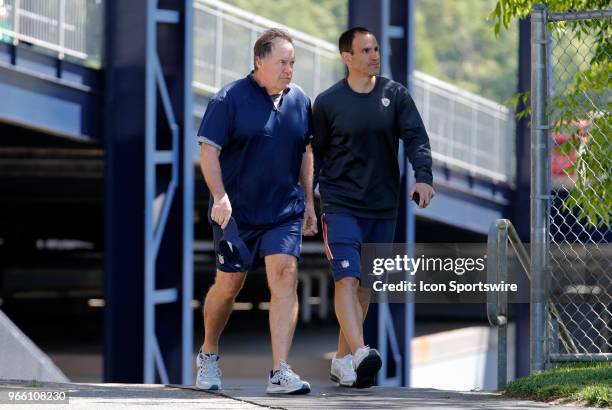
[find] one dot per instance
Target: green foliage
(520, 100)
(580, 107)
(507, 10)
(590, 195)
(591, 383)
(455, 43)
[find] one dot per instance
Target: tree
(455, 43)
(581, 106)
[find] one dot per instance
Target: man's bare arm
(307, 173)
(306, 176)
(211, 170)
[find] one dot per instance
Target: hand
(309, 228)
(221, 211)
(425, 191)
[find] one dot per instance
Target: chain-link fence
(571, 186)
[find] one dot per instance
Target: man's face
(365, 58)
(276, 69)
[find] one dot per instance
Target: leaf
(566, 148)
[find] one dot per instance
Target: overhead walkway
(472, 137)
(50, 80)
(49, 67)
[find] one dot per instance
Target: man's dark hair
(345, 43)
(263, 45)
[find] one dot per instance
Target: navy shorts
(343, 235)
(286, 237)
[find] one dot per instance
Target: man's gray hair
(263, 45)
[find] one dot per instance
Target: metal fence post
(218, 50)
(539, 190)
(16, 28)
(61, 25)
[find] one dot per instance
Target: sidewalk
(250, 394)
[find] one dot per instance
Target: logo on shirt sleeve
(385, 101)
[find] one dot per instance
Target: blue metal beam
(148, 276)
(392, 325)
(125, 56)
(54, 96)
(461, 210)
(466, 202)
(519, 213)
(462, 200)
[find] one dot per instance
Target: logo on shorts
(345, 264)
(221, 259)
(385, 101)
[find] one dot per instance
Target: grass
(589, 383)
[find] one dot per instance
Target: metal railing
(500, 233)
(468, 132)
(66, 27)
(224, 36)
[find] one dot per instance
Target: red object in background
(560, 162)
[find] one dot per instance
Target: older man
(358, 123)
(255, 153)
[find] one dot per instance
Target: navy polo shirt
(261, 149)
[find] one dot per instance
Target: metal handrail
(227, 34)
(500, 232)
(467, 131)
(58, 27)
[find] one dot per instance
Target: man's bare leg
(364, 301)
(349, 312)
(218, 307)
(281, 271)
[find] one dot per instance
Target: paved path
(250, 394)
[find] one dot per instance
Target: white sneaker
(342, 371)
(367, 363)
(285, 381)
(209, 373)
